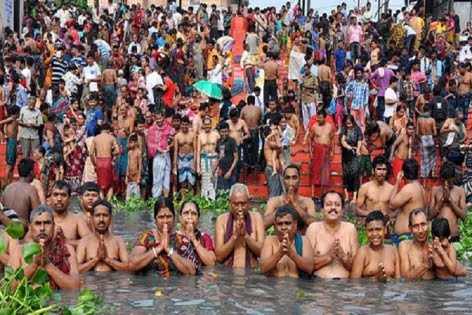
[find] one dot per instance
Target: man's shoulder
(347, 226)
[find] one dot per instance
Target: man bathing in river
(375, 194)
(334, 242)
(102, 250)
(239, 234)
(412, 196)
(56, 258)
(416, 255)
(304, 206)
(89, 193)
(287, 253)
(376, 260)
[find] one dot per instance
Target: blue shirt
(315, 37)
(340, 57)
(360, 94)
(21, 96)
(93, 116)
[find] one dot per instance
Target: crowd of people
(104, 100)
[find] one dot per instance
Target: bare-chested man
(206, 158)
(103, 148)
(73, 226)
(412, 196)
(426, 128)
(89, 193)
(272, 146)
(109, 80)
(448, 200)
(11, 132)
(416, 255)
(401, 149)
(422, 100)
(239, 234)
(197, 123)
(121, 99)
(376, 260)
(124, 128)
(375, 194)
(288, 253)
(184, 150)
(324, 77)
(239, 131)
(304, 206)
(380, 136)
(252, 116)
(334, 242)
(21, 196)
(321, 146)
(101, 250)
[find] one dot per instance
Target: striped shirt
(360, 94)
(79, 61)
(59, 68)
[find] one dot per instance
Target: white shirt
(152, 80)
(27, 74)
(409, 30)
(130, 48)
(465, 53)
(390, 109)
(63, 16)
(91, 73)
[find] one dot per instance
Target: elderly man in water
(56, 258)
(239, 233)
(416, 256)
(334, 242)
(287, 253)
(101, 250)
(376, 260)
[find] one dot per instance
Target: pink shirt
(355, 33)
(157, 138)
(416, 78)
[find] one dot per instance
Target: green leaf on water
(6, 311)
(86, 295)
(29, 250)
(15, 230)
(3, 246)
(299, 295)
(40, 277)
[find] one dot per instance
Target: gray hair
(40, 210)
(238, 188)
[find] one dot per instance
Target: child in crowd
(133, 172)
(273, 136)
(141, 101)
(444, 253)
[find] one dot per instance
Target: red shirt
(169, 94)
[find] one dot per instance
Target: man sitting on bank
(240, 233)
(416, 256)
(102, 250)
(334, 242)
(56, 258)
(376, 260)
(287, 253)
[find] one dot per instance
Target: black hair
(414, 213)
(292, 166)
(251, 99)
(89, 186)
(375, 215)
(192, 202)
(163, 202)
(133, 138)
(323, 198)
(410, 168)
(322, 112)
(233, 112)
(223, 125)
(447, 171)
(440, 228)
(62, 185)
(372, 128)
(185, 119)
(25, 167)
(379, 160)
(101, 202)
(284, 210)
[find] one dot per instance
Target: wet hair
(206, 117)
(40, 210)
(223, 125)
(89, 186)
(105, 126)
(164, 202)
(375, 215)
(379, 160)
(322, 112)
(185, 120)
(25, 167)
(192, 202)
(414, 213)
(440, 228)
(284, 210)
(101, 202)
(233, 112)
(292, 167)
(251, 99)
(410, 168)
(323, 198)
(133, 138)
(447, 171)
(62, 185)
(372, 128)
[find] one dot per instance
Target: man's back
(103, 145)
(252, 116)
(21, 197)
